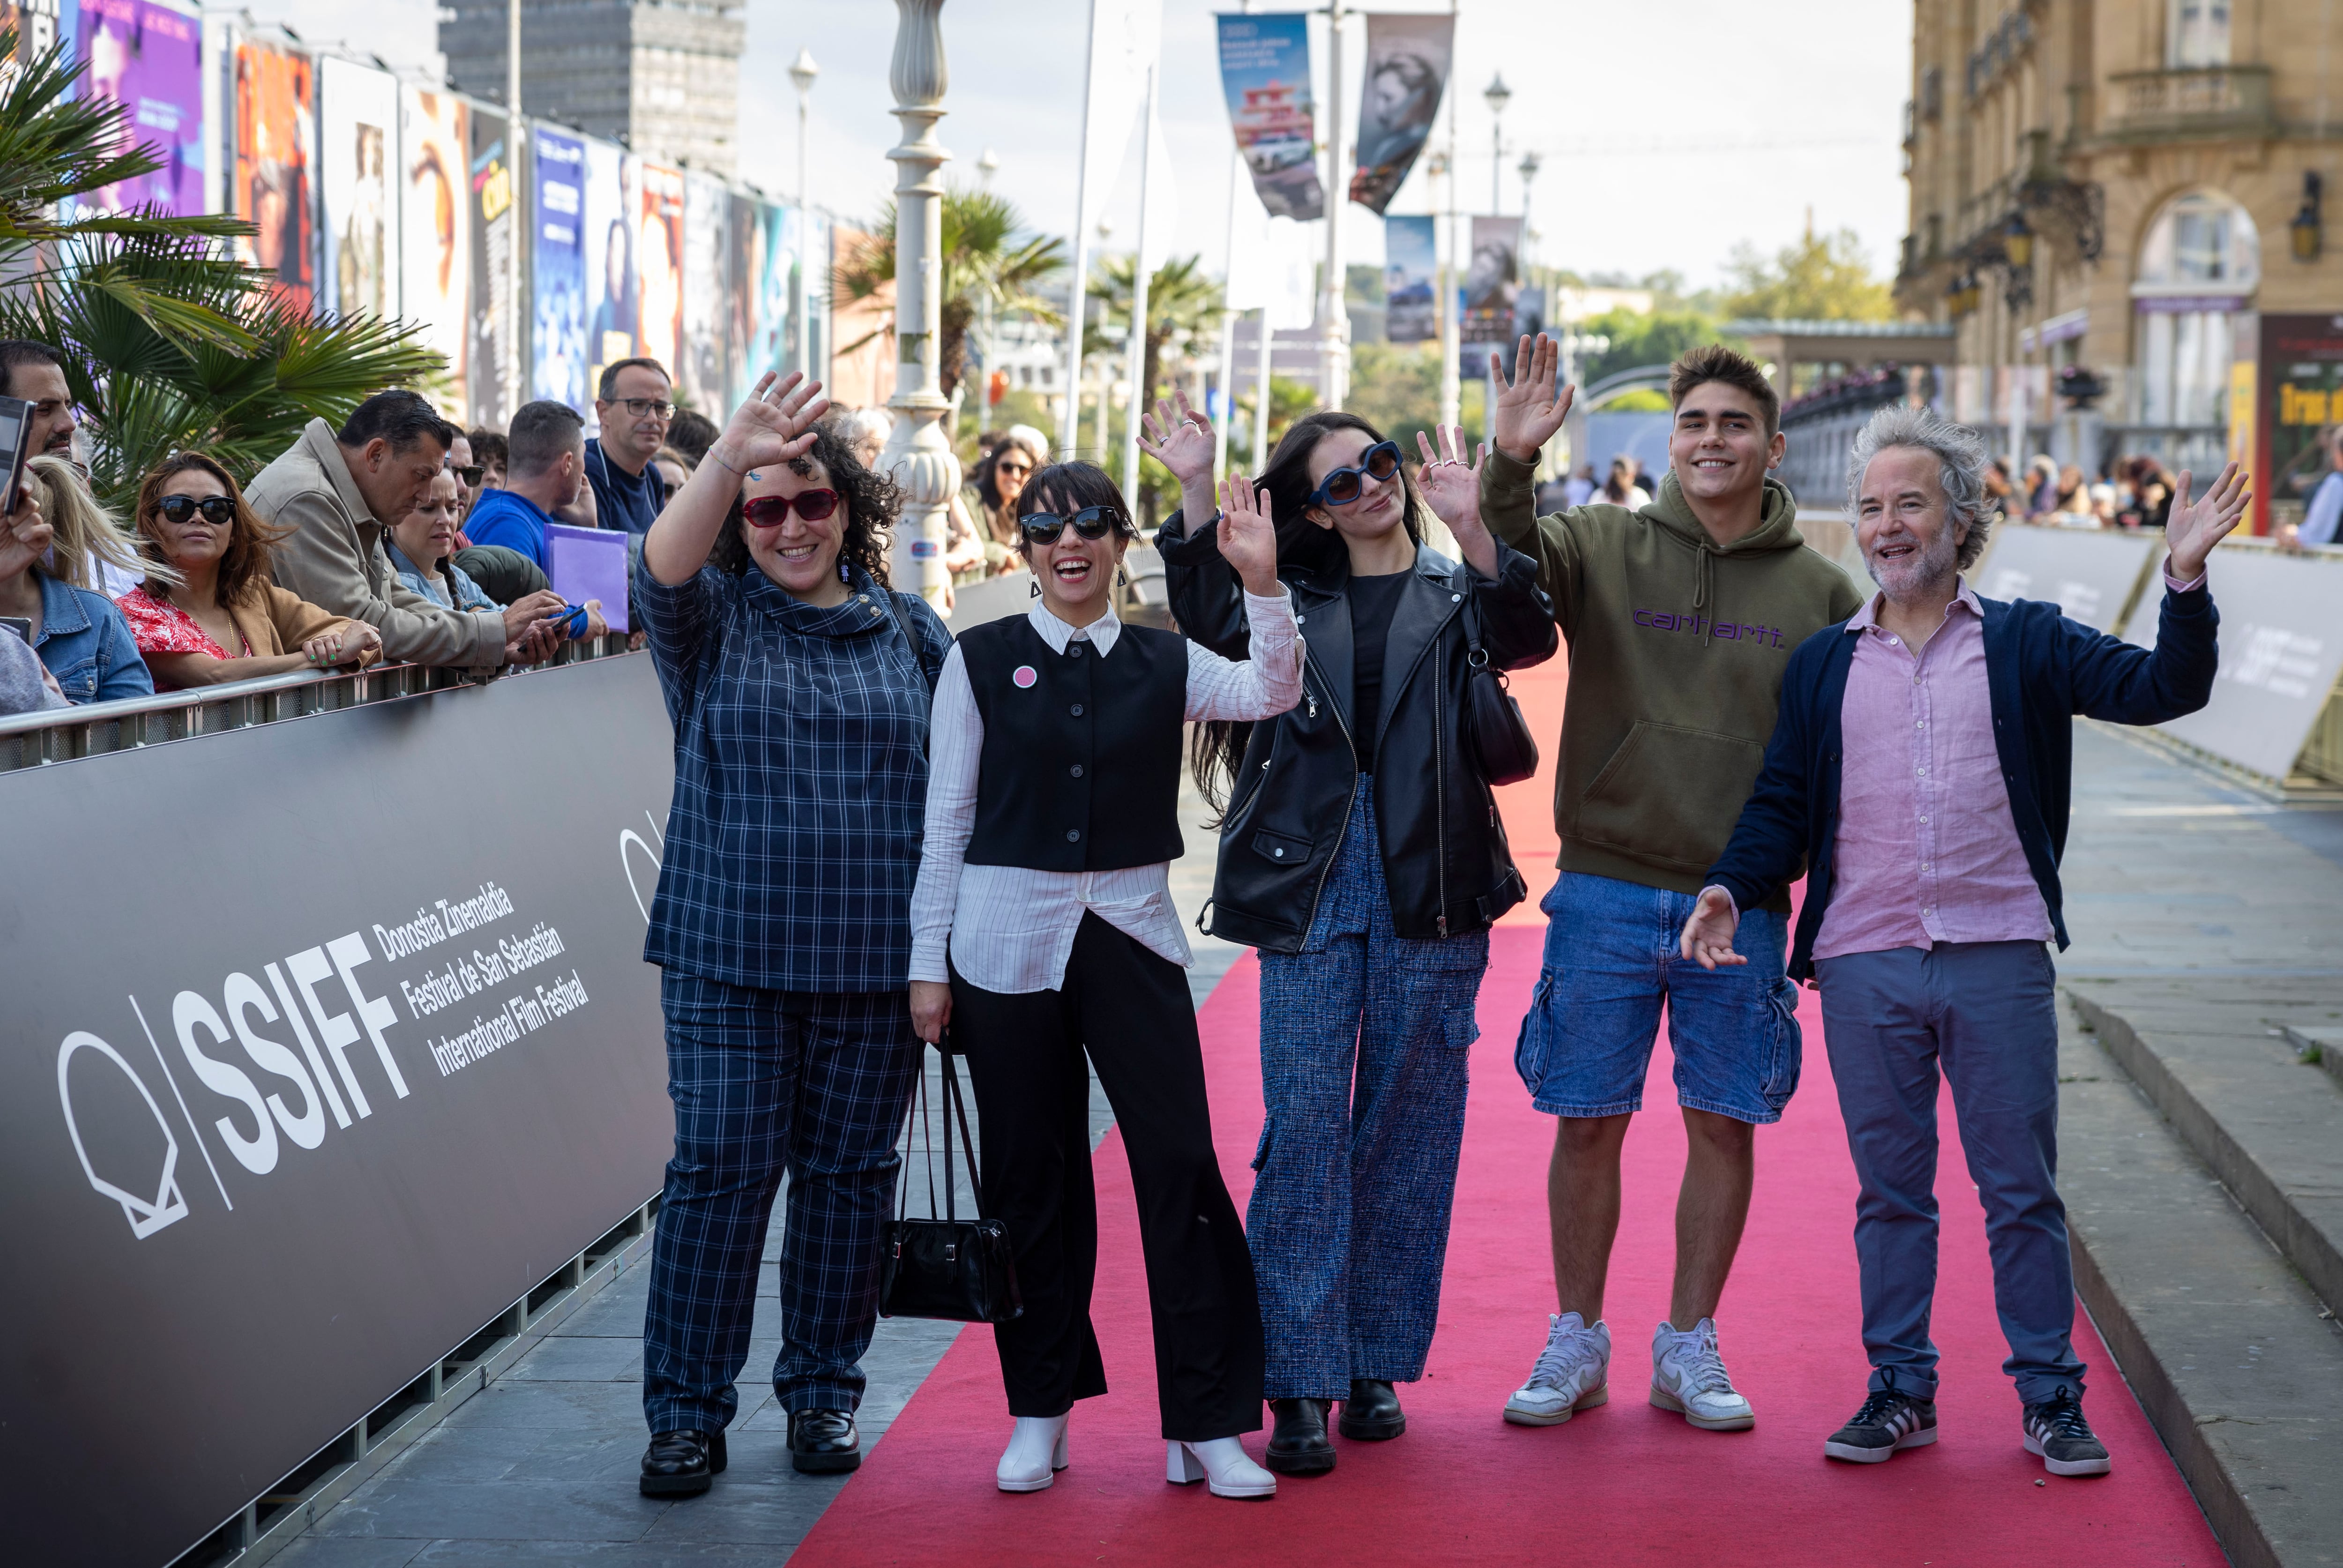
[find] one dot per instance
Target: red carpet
(1622, 1484)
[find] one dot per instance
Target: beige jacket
(335, 560)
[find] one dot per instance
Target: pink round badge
(1024, 676)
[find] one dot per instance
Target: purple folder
(590, 563)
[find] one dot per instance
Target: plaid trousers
(768, 1081)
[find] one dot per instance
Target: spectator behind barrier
(866, 431)
(633, 408)
(690, 435)
(222, 620)
(488, 452)
(467, 469)
(335, 494)
(36, 373)
(26, 684)
(422, 544)
(91, 548)
(673, 469)
(545, 467)
(505, 576)
(79, 635)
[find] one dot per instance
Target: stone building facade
(2115, 193)
(662, 77)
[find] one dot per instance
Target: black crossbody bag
(1502, 741)
(961, 1270)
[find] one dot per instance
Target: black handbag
(958, 1270)
(1501, 742)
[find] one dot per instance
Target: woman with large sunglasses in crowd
(797, 683)
(1043, 928)
(1361, 851)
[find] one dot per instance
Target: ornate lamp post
(916, 453)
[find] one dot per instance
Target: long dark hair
(1216, 747)
(873, 502)
(245, 567)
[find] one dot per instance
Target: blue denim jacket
(87, 644)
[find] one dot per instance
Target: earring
(1119, 580)
(1036, 590)
(844, 575)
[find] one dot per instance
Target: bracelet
(716, 452)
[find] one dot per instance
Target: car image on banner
(147, 58)
(557, 339)
(357, 150)
(1266, 75)
(276, 109)
(435, 250)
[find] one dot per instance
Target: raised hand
(1529, 412)
(2190, 532)
(1450, 485)
(1248, 536)
(1182, 442)
(24, 536)
(775, 425)
(1707, 938)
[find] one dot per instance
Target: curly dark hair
(872, 503)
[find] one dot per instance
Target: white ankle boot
(1223, 1463)
(1036, 1452)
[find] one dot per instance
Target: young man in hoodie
(1681, 616)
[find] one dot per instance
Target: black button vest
(1080, 766)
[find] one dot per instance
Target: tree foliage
(1182, 304)
(1639, 339)
(984, 260)
(1821, 277)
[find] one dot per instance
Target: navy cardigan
(2041, 671)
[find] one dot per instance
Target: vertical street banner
(495, 219)
(1407, 70)
(358, 149)
(1411, 272)
(147, 58)
(775, 261)
(612, 178)
(744, 240)
(276, 115)
(1126, 39)
(659, 262)
(1492, 281)
(707, 293)
(435, 273)
(1266, 75)
(2301, 374)
(557, 279)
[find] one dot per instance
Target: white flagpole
(1137, 348)
(1070, 425)
(1228, 317)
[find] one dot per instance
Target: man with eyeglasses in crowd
(633, 408)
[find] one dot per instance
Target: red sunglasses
(772, 511)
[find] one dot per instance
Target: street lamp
(1496, 96)
(987, 166)
(802, 72)
(918, 454)
(1529, 169)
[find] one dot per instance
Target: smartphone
(19, 625)
(571, 618)
(15, 447)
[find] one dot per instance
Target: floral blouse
(158, 626)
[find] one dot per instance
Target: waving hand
(1529, 411)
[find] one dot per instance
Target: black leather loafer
(1372, 1413)
(1297, 1441)
(824, 1442)
(682, 1463)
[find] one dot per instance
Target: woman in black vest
(1361, 851)
(1042, 925)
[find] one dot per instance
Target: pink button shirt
(1927, 851)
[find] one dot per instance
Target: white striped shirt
(1010, 928)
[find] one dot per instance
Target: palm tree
(1182, 303)
(984, 263)
(169, 341)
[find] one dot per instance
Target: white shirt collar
(1101, 633)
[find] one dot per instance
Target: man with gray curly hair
(1920, 772)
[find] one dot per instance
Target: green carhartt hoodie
(1677, 646)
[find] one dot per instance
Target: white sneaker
(1688, 1376)
(1224, 1464)
(1573, 1373)
(1036, 1452)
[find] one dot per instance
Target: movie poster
(706, 295)
(1492, 281)
(558, 341)
(146, 56)
(434, 285)
(1411, 272)
(774, 344)
(1407, 68)
(1266, 75)
(612, 179)
(2301, 375)
(746, 239)
(494, 219)
(658, 265)
(358, 149)
(276, 108)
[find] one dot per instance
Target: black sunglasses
(218, 510)
(1090, 523)
(470, 474)
(1343, 486)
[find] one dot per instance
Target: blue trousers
(1986, 1014)
(767, 1083)
(1366, 1039)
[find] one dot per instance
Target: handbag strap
(1476, 658)
(918, 648)
(954, 1108)
(959, 1108)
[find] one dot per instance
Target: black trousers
(1131, 1011)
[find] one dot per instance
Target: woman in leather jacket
(1361, 852)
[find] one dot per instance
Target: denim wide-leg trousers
(1366, 1038)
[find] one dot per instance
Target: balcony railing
(2200, 101)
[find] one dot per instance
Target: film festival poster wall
(1411, 271)
(1492, 281)
(772, 260)
(557, 273)
(147, 57)
(744, 240)
(2301, 401)
(1407, 70)
(706, 295)
(612, 178)
(436, 239)
(1265, 75)
(275, 101)
(357, 157)
(493, 218)
(658, 264)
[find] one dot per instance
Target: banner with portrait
(772, 262)
(1410, 279)
(707, 293)
(1266, 75)
(744, 243)
(658, 265)
(358, 149)
(1492, 281)
(276, 99)
(558, 270)
(495, 220)
(1408, 58)
(612, 179)
(147, 57)
(2300, 412)
(435, 273)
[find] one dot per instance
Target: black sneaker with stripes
(2055, 1430)
(1889, 1420)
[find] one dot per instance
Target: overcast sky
(1669, 129)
